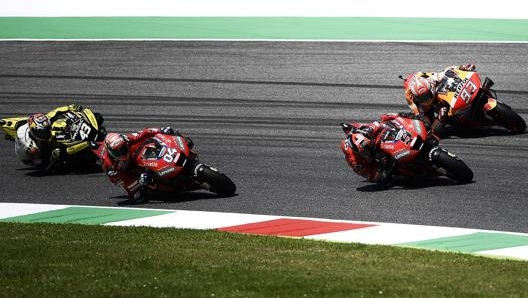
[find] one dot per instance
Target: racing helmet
(39, 127)
(421, 90)
(116, 145)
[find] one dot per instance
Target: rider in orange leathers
(422, 93)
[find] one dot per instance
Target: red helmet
(116, 145)
(360, 143)
(39, 127)
(420, 89)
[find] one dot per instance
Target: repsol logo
(459, 87)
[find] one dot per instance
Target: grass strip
(58, 260)
(287, 28)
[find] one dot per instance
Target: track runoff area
(310, 20)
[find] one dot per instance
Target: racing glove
(145, 179)
(432, 139)
(75, 108)
(409, 115)
(56, 154)
(467, 67)
(167, 130)
(442, 114)
(111, 172)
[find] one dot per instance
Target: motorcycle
(472, 102)
(404, 141)
(173, 166)
(71, 131)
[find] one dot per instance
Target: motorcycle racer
(422, 94)
(361, 148)
(41, 133)
(118, 165)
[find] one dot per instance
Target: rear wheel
(455, 168)
(506, 117)
(215, 181)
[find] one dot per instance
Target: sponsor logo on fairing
(166, 171)
(402, 154)
(459, 87)
(387, 146)
(180, 143)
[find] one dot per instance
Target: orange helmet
(39, 127)
(116, 145)
(420, 89)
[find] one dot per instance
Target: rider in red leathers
(361, 153)
(422, 93)
(118, 165)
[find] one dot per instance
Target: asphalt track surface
(267, 114)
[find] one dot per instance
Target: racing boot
(140, 196)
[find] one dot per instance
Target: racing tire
(218, 182)
(455, 168)
(509, 119)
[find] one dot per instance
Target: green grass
(56, 260)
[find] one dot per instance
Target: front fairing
(74, 130)
(459, 89)
(401, 138)
(164, 155)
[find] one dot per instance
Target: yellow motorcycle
(68, 149)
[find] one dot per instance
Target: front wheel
(455, 168)
(504, 116)
(215, 181)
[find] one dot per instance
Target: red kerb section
(294, 227)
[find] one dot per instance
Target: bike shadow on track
(172, 197)
(32, 172)
(472, 133)
(403, 183)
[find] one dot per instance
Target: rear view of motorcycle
(410, 151)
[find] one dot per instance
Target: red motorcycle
(472, 102)
(173, 165)
(403, 140)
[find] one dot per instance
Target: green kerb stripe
(85, 215)
(475, 242)
(282, 28)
